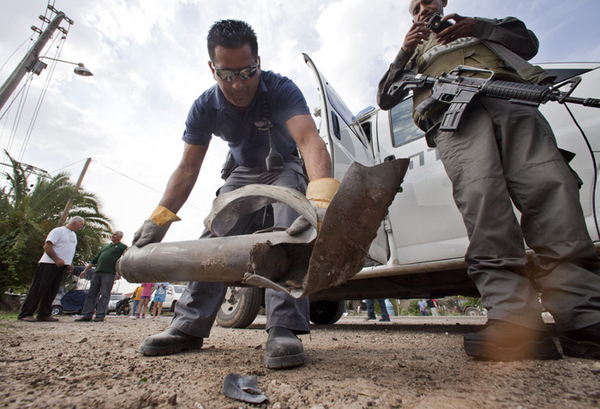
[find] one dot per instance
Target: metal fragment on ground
(244, 388)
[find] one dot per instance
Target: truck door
(346, 142)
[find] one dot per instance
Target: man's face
(116, 237)
(238, 92)
(422, 10)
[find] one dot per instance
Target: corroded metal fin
(228, 207)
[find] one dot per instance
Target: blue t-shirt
(211, 115)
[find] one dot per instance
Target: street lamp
(31, 61)
(38, 66)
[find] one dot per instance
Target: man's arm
(178, 190)
(87, 268)
(313, 149)
(510, 32)
(415, 36)
(184, 177)
(49, 249)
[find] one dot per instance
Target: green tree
(29, 212)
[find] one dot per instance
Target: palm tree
(29, 212)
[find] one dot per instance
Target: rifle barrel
(588, 102)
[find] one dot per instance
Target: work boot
(581, 343)
(171, 341)
(284, 349)
(505, 341)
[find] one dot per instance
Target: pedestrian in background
(433, 307)
(57, 260)
(145, 298)
(137, 295)
(103, 279)
(423, 307)
(385, 316)
(159, 298)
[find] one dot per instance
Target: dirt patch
(408, 363)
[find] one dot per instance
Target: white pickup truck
(419, 249)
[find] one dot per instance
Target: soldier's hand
(415, 36)
(463, 27)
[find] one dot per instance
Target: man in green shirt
(103, 279)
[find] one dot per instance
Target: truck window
(404, 129)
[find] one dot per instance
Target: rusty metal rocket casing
(299, 265)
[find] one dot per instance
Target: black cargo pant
(506, 153)
(43, 290)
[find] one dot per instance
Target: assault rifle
(458, 92)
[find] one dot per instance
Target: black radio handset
(274, 160)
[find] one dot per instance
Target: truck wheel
(240, 307)
(472, 311)
(326, 312)
(56, 310)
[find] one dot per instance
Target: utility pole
(63, 216)
(29, 60)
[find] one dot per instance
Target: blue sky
(150, 62)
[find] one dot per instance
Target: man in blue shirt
(239, 109)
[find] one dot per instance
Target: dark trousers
(43, 290)
(506, 154)
(196, 310)
(100, 287)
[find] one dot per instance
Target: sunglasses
(229, 75)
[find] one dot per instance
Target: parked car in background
(174, 292)
(69, 302)
(420, 246)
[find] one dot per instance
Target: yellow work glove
(319, 193)
(154, 229)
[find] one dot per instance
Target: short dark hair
(231, 34)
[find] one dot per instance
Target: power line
(127, 177)
(41, 98)
(29, 38)
(146, 186)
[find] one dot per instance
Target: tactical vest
(433, 59)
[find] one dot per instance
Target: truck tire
(240, 307)
(326, 312)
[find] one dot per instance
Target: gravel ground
(412, 362)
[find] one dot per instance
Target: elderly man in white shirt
(59, 249)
